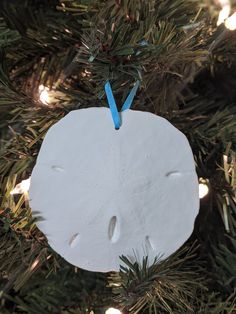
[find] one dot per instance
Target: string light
(22, 187)
(230, 22)
(44, 94)
(52, 96)
(111, 310)
(203, 188)
(224, 12)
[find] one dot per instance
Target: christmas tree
(56, 56)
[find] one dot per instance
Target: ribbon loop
(112, 103)
(128, 102)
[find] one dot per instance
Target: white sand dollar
(104, 193)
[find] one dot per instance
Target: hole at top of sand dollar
(113, 229)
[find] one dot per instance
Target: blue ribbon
(128, 102)
(112, 103)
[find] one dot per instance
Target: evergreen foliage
(187, 71)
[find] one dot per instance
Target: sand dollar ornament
(104, 192)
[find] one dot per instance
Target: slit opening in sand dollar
(74, 240)
(173, 173)
(113, 229)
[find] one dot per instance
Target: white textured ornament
(104, 193)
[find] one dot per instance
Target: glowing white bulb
(225, 11)
(43, 94)
(230, 23)
(111, 310)
(203, 189)
(22, 187)
(41, 88)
